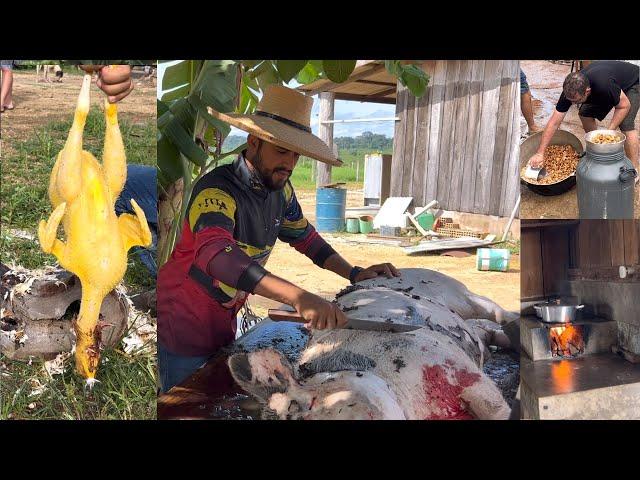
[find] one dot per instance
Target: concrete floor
(591, 387)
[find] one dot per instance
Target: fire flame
(566, 341)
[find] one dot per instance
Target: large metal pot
(528, 149)
(604, 148)
(556, 312)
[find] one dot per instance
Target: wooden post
(325, 132)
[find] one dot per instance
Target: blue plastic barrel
(330, 209)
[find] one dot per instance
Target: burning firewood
(566, 341)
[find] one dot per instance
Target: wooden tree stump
(38, 310)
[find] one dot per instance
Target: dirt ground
(545, 81)
(501, 287)
(38, 103)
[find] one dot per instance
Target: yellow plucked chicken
(83, 193)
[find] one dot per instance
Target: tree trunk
(325, 132)
(38, 309)
(168, 210)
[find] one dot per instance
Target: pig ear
(262, 373)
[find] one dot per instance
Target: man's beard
(267, 176)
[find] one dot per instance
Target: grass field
(352, 172)
(127, 388)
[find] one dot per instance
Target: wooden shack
(457, 144)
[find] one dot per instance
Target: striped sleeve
(211, 217)
(212, 207)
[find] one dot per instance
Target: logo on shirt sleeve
(212, 200)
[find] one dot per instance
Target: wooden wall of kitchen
(458, 143)
(550, 248)
(608, 243)
(547, 252)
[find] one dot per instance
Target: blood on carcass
(443, 395)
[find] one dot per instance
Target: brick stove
(568, 371)
(597, 334)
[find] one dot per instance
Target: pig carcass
(431, 286)
(430, 373)
(347, 374)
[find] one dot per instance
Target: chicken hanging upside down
(83, 193)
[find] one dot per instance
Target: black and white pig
(348, 374)
(429, 285)
(433, 372)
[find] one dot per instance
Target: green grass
(137, 278)
(511, 245)
(127, 389)
(26, 171)
(66, 68)
(128, 383)
(352, 171)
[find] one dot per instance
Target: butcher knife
(354, 322)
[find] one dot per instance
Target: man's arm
(339, 265)
(211, 217)
(316, 311)
(620, 112)
(537, 160)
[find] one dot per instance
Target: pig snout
(346, 395)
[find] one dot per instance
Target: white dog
(56, 69)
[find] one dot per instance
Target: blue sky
(343, 110)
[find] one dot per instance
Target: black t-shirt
(606, 79)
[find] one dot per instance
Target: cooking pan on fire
(529, 147)
(557, 311)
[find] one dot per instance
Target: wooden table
(201, 395)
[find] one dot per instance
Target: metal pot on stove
(555, 311)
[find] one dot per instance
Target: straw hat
(283, 117)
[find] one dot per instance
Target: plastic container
(426, 220)
(496, 259)
(390, 231)
(366, 224)
(330, 209)
(353, 225)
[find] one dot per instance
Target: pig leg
(490, 310)
(489, 333)
(484, 400)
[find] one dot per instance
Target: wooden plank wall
(459, 142)
(545, 259)
(548, 252)
(608, 243)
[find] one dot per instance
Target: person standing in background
(6, 98)
(526, 104)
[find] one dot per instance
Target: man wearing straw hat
(235, 215)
